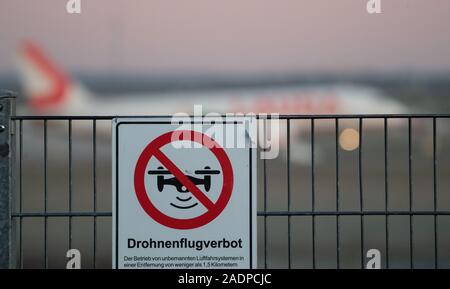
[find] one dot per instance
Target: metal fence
(323, 203)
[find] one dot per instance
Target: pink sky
(232, 36)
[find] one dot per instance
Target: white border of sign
(117, 122)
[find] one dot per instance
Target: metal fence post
(7, 150)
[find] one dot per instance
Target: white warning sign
(184, 193)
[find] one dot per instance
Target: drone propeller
(159, 171)
(207, 171)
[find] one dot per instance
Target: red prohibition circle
(141, 193)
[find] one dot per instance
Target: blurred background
(291, 57)
(117, 46)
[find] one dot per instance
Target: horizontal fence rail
(320, 204)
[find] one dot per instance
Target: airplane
(50, 91)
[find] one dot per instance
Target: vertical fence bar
(265, 197)
(411, 249)
(94, 178)
(436, 262)
(361, 200)
(70, 183)
(7, 153)
(313, 201)
(338, 245)
(386, 187)
(20, 193)
(288, 127)
(45, 195)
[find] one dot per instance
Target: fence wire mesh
(341, 185)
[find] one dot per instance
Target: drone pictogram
(161, 182)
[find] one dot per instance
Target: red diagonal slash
(184, 180)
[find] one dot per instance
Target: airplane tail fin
(46, 88)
